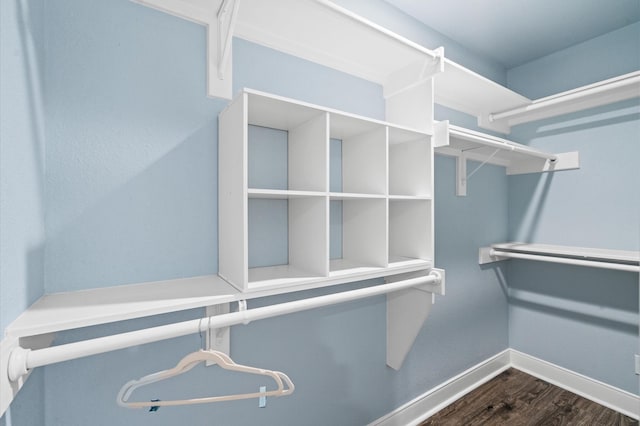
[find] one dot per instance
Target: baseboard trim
(609, 396)
(432, 401)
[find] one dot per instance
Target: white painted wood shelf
(464, 90)
(381, 178)
(624, 260)
(465, 144)
(601, 93)
(70, 310)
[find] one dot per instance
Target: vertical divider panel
(308, 234)
(364, 162)
(411, 229)
(309, 216)
(365, 231)
(232, 193)
(308, 155)
(410, 168)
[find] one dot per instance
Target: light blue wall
(22, 230)
(582, 319)
(131, 196)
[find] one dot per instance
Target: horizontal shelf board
(622, 256)
(322, 32)
(399, 135)
(63, 311)
(279, 275)
(341, 275)
(279, 113)
(347, 266)
(335, 196)
(343, 126)
(410, 197)
(464, 90)
(401, 261)
(604, 92)
(282, 194)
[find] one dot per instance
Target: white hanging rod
(498, 143)
(630, 81)
(22, 360)
(565, 260)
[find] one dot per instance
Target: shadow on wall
(604, 298)
(604, 116)
(529, 201)
(161, 224)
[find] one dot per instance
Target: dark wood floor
(517, 399)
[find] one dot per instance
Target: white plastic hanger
(190, 361)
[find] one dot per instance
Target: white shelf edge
(267, 24)
(465, 144)
(282, 193)
(467, 91)
(83, 308)
(601, 93)
(400, 197)
(593, 257)
(337, 196)
(253, 92)
(358, 273)
(70, 310)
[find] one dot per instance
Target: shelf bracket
(407, 310)
(218, 339)
(461, 175)
(219, 17)
(225, 37)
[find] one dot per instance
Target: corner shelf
(315, 196)
(499, 108)
(461, 89)
(592, 257)
(604, 92)
(467, 144)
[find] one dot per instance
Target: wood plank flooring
(515, 398)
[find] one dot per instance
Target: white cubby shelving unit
(373, 206)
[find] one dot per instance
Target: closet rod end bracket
(17, 366)
(489, 255)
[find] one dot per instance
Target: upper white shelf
(323, 32)
(465, 144)
(464, 90)
(623, 260)
(605, 92)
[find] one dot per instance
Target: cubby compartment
(410, 231)
(362, 155)
(410, 163)
(287, 240)
(287, 145)
(359, 225)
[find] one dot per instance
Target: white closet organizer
(467, 144)
(380, 190)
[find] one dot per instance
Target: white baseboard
(432, 401)
(621, 401)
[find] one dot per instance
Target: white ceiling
(514, 32)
